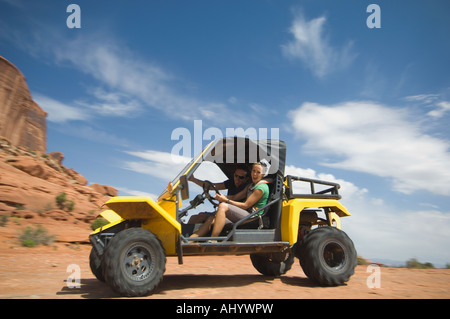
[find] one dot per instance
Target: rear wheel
(272, 264)
(327, 256)
(134, 262)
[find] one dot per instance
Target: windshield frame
(188, 170)
(273, 150)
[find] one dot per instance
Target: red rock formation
(30, 183)
(22, 121)
(30, 180)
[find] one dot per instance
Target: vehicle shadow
(185, 281)
(95, 289)
(298, 281)
(88, 288)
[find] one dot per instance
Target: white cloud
(127, 83)
(116, 68)
(425, 98)
(132, 192)
(442, 108)
(166, 166)
(101, 103)
(59, 112)
(384, 231)
(158, 164)
(347, 190)
(312, 46)
(435, 101)
(376, 139)
(112, 104)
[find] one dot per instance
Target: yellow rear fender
(290, 216)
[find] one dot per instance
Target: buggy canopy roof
(230, 152)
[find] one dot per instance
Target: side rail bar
(327, 193)
(251, 216)
(247, 218)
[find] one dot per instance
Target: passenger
(238, 184)
(232, 210)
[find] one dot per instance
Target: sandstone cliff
(30, 179)
(22, 121)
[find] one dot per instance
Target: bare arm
(249, 202)
(200, 183)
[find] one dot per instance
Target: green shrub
(35, 236)
(61, 200)
(70, 204)
(414, 263)
(362, 261)
(4, 220)
(28, 243)
(99, 222)
(63, 203)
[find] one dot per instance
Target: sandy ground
(44, 272)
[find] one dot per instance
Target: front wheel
(95, 262)
(134, 262)
(327, 256)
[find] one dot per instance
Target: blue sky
(365, 107)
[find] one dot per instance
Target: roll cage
(254, 233)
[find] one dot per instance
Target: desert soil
(43, 272)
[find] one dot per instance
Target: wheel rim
(333, 255)
(138, 262)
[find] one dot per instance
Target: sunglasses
(239, 176)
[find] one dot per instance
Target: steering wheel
(207, 185)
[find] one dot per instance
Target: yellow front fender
(154, 218)
(111, 216)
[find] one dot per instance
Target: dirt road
(44, 272)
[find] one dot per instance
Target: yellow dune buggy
(129, 253)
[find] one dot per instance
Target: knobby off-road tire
(134, 262)
(327, 256)
(272, 264)
(95, 262)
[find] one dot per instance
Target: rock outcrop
(31, 181)
(22, 121)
